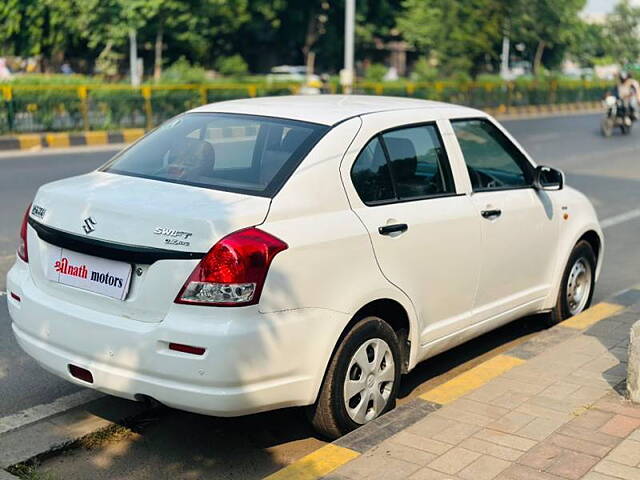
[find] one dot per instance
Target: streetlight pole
(133, 58)
(348, 74)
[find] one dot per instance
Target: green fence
(52, 108)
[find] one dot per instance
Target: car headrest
(403, 155)
(197, 153)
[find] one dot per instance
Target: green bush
(182, 71)
(424, 72)
(375, 72)
(489, 78)
(233, 66)
(51, 79)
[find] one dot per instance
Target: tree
(37, 28)
(459, 36)
(622, 28)
(591, 44)
(543, 25)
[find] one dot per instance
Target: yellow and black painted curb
(333, 455)
(534, 110)
(37, 141)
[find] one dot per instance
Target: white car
(295, 251)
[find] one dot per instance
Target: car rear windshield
(237, 153)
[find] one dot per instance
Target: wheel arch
(593, 239)
(397, 312)
(592, 234)
(393, 313)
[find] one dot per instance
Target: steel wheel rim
(369, 381)
(578, 286)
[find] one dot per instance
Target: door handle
(495, 213)
(395, 228)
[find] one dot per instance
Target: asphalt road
(606, 170)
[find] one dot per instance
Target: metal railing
(50, 108)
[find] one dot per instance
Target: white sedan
(295, 251)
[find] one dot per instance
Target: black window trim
(277, 182)
(447, 166)
(530, 169)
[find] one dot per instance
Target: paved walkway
(553, 408)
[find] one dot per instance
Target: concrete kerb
(40, 141)
(324, 461)
(54, 140)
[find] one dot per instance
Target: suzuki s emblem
(89, 225)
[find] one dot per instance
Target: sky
(601, 6)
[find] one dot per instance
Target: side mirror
(547, 178)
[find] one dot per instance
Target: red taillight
(23, 251)
(234, 270)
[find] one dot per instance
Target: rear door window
(237, 153)
(418, 163)
(403, 164)
(370, 174)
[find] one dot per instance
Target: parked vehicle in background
(287, 73)
(616, 115)
(296, 251)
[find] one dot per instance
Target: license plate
(95, 274)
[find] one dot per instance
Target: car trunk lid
(172, 225)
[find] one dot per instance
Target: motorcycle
(617, 114)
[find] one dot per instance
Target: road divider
(38, 141)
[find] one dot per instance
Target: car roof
(331, 109)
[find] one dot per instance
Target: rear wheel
(578, 282)
(361, 382)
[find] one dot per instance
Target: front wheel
(361, 382)
(607, 126)
(577, 285)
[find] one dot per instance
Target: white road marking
(2, 294)
(618, 219)
(33, 414)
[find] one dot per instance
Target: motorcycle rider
(628, 90)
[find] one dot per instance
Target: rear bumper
(253, 361)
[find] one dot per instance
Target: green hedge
(95, 106)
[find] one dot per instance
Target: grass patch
(31, 472)
(113, 433)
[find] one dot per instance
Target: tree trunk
(157, 65)
(310, 39)
(537, 59)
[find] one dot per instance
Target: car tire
(606, 126)
(369, 356)
(577, 284)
